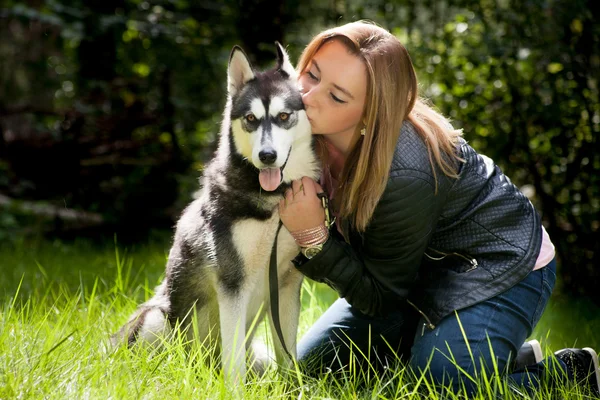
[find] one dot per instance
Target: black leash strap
(273, 280)
(274, 291)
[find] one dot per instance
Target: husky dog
(217, 270)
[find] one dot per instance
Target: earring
(363, 130)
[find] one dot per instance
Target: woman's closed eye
(333, 96)
(337, 99)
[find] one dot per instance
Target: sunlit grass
(59, 302)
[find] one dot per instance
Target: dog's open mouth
(270, 178)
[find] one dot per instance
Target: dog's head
(267, 115)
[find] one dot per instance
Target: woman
(435, 254)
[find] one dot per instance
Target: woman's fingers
(301, 207)
(309, 186)
(289, 195)
(297, 187)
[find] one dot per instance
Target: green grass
(60, 301)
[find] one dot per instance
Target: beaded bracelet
(311, 236)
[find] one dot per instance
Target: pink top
(546, 252)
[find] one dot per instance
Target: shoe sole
(537, 350)
(596, 367)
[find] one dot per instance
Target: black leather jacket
(474, 238)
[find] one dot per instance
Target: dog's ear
(239, 71)
(283, 62)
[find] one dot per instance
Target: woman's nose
(308, 97)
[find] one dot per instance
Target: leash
(274, 291)
(273, 279)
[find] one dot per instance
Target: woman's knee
(344, 336)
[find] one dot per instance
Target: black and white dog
(217, 271)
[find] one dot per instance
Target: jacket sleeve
(378, 278)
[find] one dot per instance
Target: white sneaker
(530, 353)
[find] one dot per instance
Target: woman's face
(333, 87)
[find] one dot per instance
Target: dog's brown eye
(284, 116)
(250, 118)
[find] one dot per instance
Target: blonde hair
(392, 98)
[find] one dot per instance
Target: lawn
(59, 302)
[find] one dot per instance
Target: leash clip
(325, 204)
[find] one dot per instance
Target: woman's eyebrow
(341, 89)
(316, 66)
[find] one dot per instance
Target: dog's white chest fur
(253, 240)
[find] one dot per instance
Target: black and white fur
(217, 270)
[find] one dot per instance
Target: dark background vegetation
(109, 108)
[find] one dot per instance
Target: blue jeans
(448, 353)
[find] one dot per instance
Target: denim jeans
(449, 352)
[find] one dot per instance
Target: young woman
(435, 254)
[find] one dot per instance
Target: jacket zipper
(428, 324)
(472, 261)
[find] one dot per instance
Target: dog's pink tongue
(270, 178)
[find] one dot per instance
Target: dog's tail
(148, 324)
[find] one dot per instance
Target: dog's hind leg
(232, 316)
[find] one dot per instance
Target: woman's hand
(301, 208)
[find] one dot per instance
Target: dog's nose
(267, 156)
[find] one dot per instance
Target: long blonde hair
(392, 98)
